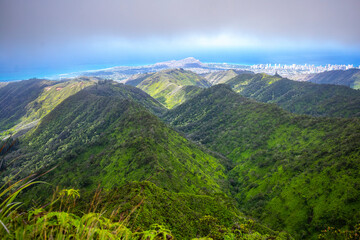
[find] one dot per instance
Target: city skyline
(286, 70)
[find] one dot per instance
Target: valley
(225, 155)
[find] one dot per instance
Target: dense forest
(173, 157)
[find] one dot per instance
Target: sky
(44, 37)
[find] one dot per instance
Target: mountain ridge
(285, 164)
(349, 78)
(299, 97)
(167, 86)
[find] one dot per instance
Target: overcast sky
(38, 34)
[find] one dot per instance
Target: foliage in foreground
(332, 233)
(57, 220)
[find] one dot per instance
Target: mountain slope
(296, 173)
(186, 215)
(3, 84)
(167, 86)
(299, 97)
(15, 96)
(181, 94)
(349, 78)
(26, 102)
(103, 134)
(137, 79)
(223, 76)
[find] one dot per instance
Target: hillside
(296, 173)
(136, 79)
(107, 135)
(14, 98)
(3, 84)
(23, 104)
(299, 97)
(104, 134)
(223, 76)
(181, 94)
(167, 86)
(187, 215)
(349, 78)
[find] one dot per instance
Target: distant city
(292, 71)
(306, 68)
(296, 71)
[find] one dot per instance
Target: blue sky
(40, 38)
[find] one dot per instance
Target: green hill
(296, 173)
(186, 215)
(299, 97)
(223, 76)
(3, 84)
(168, 86)
(107, 134)
(24, 103)
(137, 79)
(350, 78)
(14, 98)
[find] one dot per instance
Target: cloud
(42, 21)
(47, 34)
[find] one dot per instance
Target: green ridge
(223, 76)
(14, 98)
(168, 86)
(179, 212)
(104, 135)
(350, 78)
(27, 102)
(296, 173)
(299, 97)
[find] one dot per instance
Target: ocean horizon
(19, 73)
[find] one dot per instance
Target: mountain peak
(190, 59)
(189, 62)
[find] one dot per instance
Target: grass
(56, 220)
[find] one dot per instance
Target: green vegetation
(52, 96)
(180, 95)
(56, 219)
(350, 78)
(182, 213)
(295, 173)
(129, 213)
(168, 86)
(140, 179)
(24, 103)
(14, 98)
(332, 233)
(299, 97)
(104, 135)
(220, 76)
